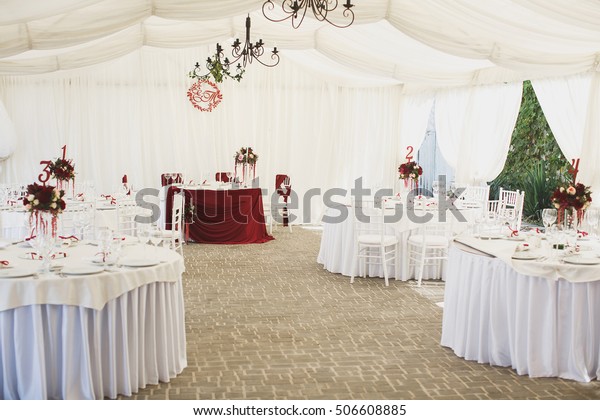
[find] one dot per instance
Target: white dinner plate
(16, 272)
(56, 256)
(581, 260)
(138, 262)
(490, 236)
(524, 255)
(81, 269)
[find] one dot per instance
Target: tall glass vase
(44, 228)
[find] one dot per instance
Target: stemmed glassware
(592, 218)
(156, 237)
(548, 218)
(143, 233)
(104, 235)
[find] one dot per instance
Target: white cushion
(430, 240)
(376, 240)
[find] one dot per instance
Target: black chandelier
(242, 53)
(296, 9)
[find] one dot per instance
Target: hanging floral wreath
(204, 95)
(62, 169)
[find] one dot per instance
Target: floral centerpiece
(410, 171)
(41, 200)
(577, 197)
(63, 171)
(247, 158)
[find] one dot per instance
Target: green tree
(535, 163)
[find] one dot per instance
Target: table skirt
(71, 352)
(540, 327)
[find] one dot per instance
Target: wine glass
(104, 235)
(116, 245)
(548, 218)
(435, 188)
(591, 218)
(143, 233)
(156, 237)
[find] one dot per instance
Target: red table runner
(224, 216)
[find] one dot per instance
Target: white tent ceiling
(108, 78)
(419, 44)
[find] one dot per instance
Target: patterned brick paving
(267, 322)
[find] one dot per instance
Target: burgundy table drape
(224, 216)
(222, 177)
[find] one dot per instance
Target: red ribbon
(582, 233)
(69, 237)
(104, 255)
(513, 233)
(4, 262)
(34, 256)
(59, 254)
(30, 238)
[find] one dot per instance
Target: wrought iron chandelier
(242, 53)
(296, 10)
(249, 51)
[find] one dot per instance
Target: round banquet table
(337, 245)
(90, 336)
(539, 326)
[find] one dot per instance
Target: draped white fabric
(571, 106)
(564, 101)
(459, 42)
(72, 352)
(540, 327)
(336, 102)
(8, 134)
(474, 127)
(132, 116)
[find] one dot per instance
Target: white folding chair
(512, 202)
(428, 247)
(372, 244)
(475, 196)
(174, 237)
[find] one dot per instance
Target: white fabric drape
(474, 127)
(564, 101)
(8, 135)
(589, 171)
(571, 106)
(422, 44)
(132, 116)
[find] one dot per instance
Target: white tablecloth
(71, 349)
(337, 246)
(538, 326)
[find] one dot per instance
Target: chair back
(222, 177)
(475, 196)
(511, 202)
(368, 218)
(177, 214)
(171, 178)
(283, 186)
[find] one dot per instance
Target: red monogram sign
(204, 95)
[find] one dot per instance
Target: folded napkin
(522, 247)
(112, 199)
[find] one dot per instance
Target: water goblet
(104, 235)
(548, 218)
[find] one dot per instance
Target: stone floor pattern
(268, 322)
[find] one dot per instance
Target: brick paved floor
(267, 322)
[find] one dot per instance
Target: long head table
(226, 216)
(90, 336)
